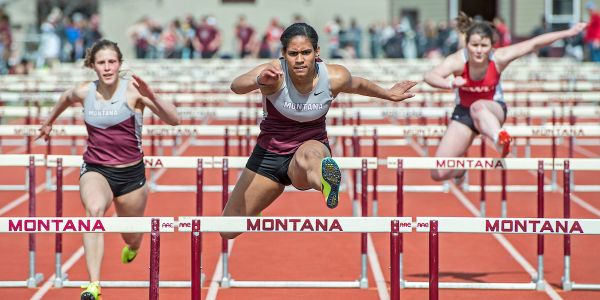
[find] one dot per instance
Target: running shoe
(91, 292)
(504, 142)
(330, 181)
(128, 254)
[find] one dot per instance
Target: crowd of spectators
(64, 38)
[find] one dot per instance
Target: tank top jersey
(114, 129)
(291, 118)
(488, 88)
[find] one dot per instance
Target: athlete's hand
(577, 28)
(142, 87)
(44, 132)
(458, 81)
(399, 91)
(269, 76)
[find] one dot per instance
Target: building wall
(528, 16)
(118, 15)
(436, 10)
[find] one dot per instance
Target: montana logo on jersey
(302, 106)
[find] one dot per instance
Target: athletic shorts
(271, 165)
(120, 180)
(462, 114)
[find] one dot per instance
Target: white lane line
(213, 289)
(382, 290)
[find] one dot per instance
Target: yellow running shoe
(330, 181)
(91, 292)
(128, 254)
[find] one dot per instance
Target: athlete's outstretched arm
(265, 77)
(166, 111)
(68, 98)
(507, 54)
(438, 76)
(343, 81)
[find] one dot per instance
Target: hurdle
(60, 161)
(448, 163)
(567, 166)
(401, 164)
(100, 225)
(30, 162)
(362, 163)
(539, 226)
(301, 224)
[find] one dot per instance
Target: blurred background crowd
(64, 33)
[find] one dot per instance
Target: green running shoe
(128, 254)
(330, 181)
(91, 292)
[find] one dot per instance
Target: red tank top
(487, 88)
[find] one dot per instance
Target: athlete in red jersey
(479, 104)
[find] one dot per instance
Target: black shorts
(271, 165)
(120, 180)
(462, 114)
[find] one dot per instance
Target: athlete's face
(300, 56)
(479, 48)
(107, 65)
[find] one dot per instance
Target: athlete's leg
(96, 197)
(456, 141)
(252, 193)
(313, 167)
(488, 117)
(305, 167)
(132, 204)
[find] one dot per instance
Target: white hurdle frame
(298, 224)
(430, 163)
(539, 226)
(363, 163)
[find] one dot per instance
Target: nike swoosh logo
(113, 102)
(317, 94)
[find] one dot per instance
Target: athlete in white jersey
(113, 170)
(292, 147)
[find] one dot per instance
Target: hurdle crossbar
(303, 224)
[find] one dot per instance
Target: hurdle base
(29, 283)
(471, 285)
(584, 286)
(566, 285)
(128, 284)
(32, 282)
(294, 284)
(60, 281)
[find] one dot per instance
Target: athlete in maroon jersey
(292, 148)
(113, 168)
(479, 101)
